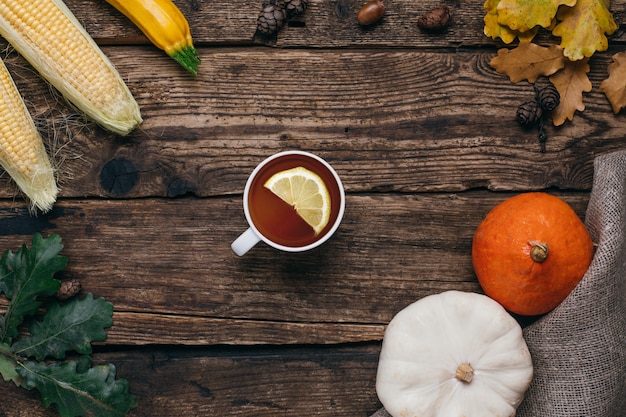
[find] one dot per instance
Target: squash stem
(188, 58)
(464, 373)
(538, 251)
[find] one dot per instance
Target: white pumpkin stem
(538, 251)
(464, 373)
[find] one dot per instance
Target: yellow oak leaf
(495, 30)
(614, 87)
(528, 61)
(523, 15)
(582, 28)
(571, 82)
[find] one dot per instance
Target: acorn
(272, 17)
(435, 20)
(371, 12)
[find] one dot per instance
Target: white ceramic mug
(278, 162)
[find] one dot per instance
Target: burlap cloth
(579, 349)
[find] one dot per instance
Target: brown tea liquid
(277, 220)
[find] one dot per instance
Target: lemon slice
(306, 192)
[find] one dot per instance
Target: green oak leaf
(7, 365)
(67, 327)
(25, 276)
(92, 392)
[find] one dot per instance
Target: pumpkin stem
(464, 373)
(538, 251)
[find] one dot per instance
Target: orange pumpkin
(530, 252)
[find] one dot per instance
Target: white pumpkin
(453, 354)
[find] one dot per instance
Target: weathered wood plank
(266, 382)
(148, 328)
(410, 120)
(325, 24)
(376, 115)
(181, 273)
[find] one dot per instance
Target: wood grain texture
(178, 281)
(406, 121)
(420, 128)
(325, 24)
(249, 381)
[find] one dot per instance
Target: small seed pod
(68, 289)
(296, 7)
(549, 97)
(528, 113)
(272, 17)
(371, 12)
(435, 20)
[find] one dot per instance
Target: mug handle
(245, 242)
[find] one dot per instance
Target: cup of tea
(271, 217)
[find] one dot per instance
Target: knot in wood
(118, 176)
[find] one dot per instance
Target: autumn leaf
(582, 28)
(614, 87)
(495, 30)
(571, 82)
(523, 15)
(528, 61)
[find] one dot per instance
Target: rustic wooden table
(419, 126)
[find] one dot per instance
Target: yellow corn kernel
(22, 152)
(50, 37)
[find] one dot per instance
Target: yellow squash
(165, 26)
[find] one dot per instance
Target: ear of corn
(165, 26)
(50, 37)
(22, 152)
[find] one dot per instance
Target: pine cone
(296, 7)
(528, 113)
(272, 17)
(68, 289)
(549, 97)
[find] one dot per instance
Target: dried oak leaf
(582, 28)
(614, 87)
(528, 61)
(495, 30)
(523, 15)
(571, 82)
